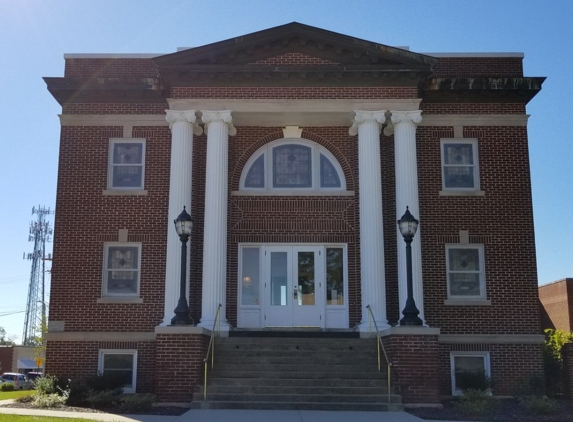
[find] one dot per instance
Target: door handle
(295, 292)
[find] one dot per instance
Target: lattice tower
(36, 307)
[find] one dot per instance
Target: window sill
(293, 193)
(463, 302)
(126, 192)
(462, 193)
(120, 300)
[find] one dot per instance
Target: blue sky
(34, 35)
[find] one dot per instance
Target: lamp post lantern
(183, 225)
(408, 226)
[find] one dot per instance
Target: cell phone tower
(40, 233)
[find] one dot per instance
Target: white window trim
(475, 190)
(316, 150)
(480, 248)
(112, 142)
(453, 355)
(106, 246)
(102, 352)
(261, 247)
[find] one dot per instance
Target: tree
(4, 339)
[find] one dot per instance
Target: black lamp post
(183, 225)
(408, 226)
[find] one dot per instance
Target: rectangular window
(121, 269)
(469, 370)
(460, 164)
(250, 277)
(126, 163)
(465, 268)
(334, 276)
(120, 363)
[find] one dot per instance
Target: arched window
(292, 164)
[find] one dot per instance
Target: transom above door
(292, 286)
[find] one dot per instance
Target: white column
(182, 125)
(367, 125)
(405, 123)
(218, 126)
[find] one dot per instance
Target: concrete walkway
(227, 416)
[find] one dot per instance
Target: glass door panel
(306, 278)
(279, 279)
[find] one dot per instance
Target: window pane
(334, 276)
(279, 279)
(458, 154)
(122, 257)
(292, 167)
(464, 284)
(469, 363)
(128, 153)
(256, 175)
(464, 259)
(306, 278)
(328, 175)
(459, 177)
(113, 361)
(127, 176)
(250, 276)
(122, 282)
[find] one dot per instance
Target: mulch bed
(156, 410)
(509, 410)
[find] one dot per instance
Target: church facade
(295, 150)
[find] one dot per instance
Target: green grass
(19, 418)
(5, 395)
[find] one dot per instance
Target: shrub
(46, 385)
(473, 380)
(106, 381)
(477, 403)
(104, 399)
(553, 361)
(49, 400)
(7, 386)
(77, 391)
(534, 386)
(137, 403)
(25, 399)
(539, 405)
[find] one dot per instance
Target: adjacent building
(295, 150)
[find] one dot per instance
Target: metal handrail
(379, 343)
(211, 349)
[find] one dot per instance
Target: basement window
(119, 363)
(469, 369)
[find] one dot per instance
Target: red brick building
(557, 304)
(295, 150)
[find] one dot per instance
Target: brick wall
(478, 66)
(110, 68)
(114, 108)
(180, 367)
(557, 303)
(510, 365)
(79, 359)
(294, 59)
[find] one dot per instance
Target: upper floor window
(292, 165)
(126, 163)
(465, 268)
(122, 263)
(460, 165)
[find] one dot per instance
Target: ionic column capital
(186, 116)
(414, 116)
(223, 116)
(360, 117)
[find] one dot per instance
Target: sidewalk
(228, 416)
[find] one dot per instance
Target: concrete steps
(296, 373)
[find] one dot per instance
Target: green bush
(539, 405)
(553, 361)
(77, 391)
(106, 381)
(534, 386)
(104, 399)
(49, 400)
(137, 403)
(46, 385)
(477, 403)
(7, 386)
(25, 399)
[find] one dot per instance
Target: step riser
(290, 382)
(286, 390)
(296, 375)
(349, 407)
(295, 398)
(296, 368)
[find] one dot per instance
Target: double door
(294, 286)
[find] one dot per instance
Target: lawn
(19, 418)
(5, 395)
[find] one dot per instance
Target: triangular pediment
(292, 46)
